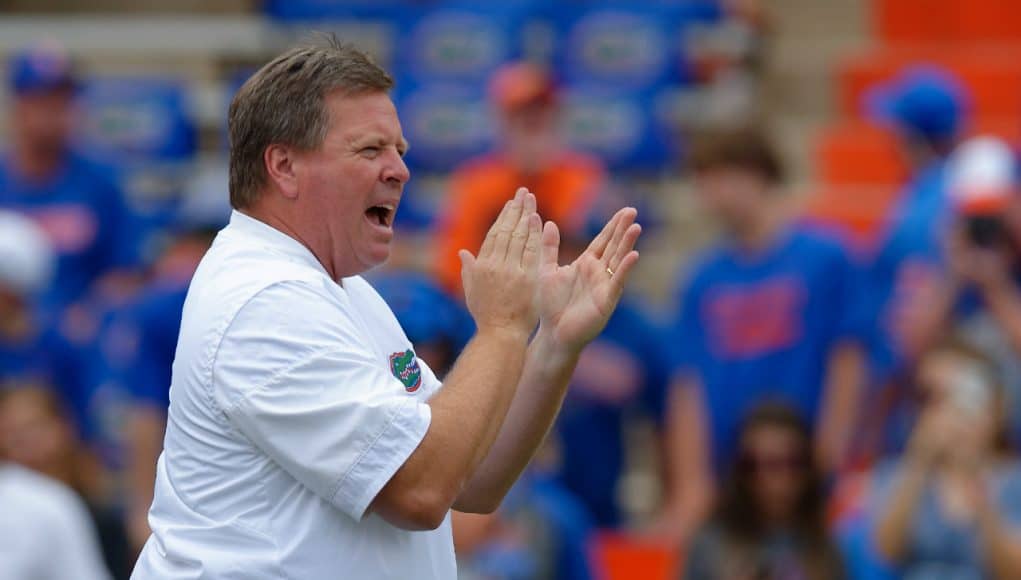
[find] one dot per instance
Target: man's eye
(370, 151)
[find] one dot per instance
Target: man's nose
(396, 171)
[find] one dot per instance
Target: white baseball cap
(982, 174)
(27, 259)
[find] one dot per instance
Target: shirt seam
(222, 333)
(274, 379)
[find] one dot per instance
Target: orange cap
(519, 84)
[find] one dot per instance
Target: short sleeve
(294, 376)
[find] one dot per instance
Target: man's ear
(280, 168)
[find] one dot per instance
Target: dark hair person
(770, 519)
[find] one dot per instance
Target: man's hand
(500, 284)
(577, 300)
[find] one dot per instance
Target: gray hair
(284, 103)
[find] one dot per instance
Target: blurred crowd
(804, 408)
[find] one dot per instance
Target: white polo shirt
(294, 400)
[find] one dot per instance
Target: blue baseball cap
(926, 102)
(41, 68)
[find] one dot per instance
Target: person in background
(530, 154)
(971, 284)
(951, 506)
(928, 110)
(542, 531)
(32, 349)
(770, 313)
(71, 198)
(26, 267)
(45, 532)
(770, 521)
(36, 433)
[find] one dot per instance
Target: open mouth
(382, 215)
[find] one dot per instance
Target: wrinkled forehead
(353, 116)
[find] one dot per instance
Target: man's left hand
(576, 300)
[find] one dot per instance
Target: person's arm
(468, 412)
(1002, 545)
(576, 301)
(840, 406)
(689, 491)
(893, 532)
(145, 427)
(1004, 302)
(929, 442)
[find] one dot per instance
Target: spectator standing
(770, 313)
(928, 110)
(530, 154)
(771, 518)
(26, 266)
(72, 199)
(973, 284)
(32, 349)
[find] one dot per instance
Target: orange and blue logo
(404, 366)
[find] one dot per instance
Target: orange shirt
(479, 188)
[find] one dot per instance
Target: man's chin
(375, 257)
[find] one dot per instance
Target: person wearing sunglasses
(770, 521)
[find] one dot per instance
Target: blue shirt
(910, 255)
(762, 327)
(85, 217)
(156, 318)
(44, 357)
(102, 347)
(938, 545)
(622, 371)
(38, 357)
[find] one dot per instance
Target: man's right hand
(500, 284)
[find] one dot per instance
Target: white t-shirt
(45, 530)
(294, 400)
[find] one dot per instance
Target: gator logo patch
(404, 366)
